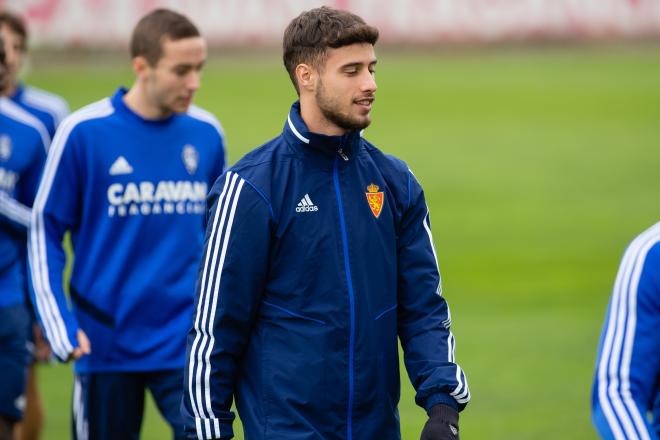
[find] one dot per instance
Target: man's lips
(365, 102)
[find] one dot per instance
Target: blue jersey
(318, 255)
(49, 108)
(132, 192)
(23, 144)
(626, 392)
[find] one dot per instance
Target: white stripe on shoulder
(55, 105)
(46, 301)
(206, 116)
(14, 111)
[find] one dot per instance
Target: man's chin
(180, 108)
(361, 123)
(349, 122)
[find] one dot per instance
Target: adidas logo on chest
(306, 205)
(120, 166)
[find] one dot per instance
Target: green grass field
(539, 166)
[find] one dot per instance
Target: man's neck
(136, 100)
(10, 90)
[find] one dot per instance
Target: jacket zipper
(351, 298)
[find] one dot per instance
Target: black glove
(442, 424)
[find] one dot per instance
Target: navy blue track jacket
(318, 254)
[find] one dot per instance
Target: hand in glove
(442, 424)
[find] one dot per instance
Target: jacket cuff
(210, 429)
(439, 398)
(60, 346)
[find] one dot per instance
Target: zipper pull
(341, 153)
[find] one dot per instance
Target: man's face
(346, 87)
(172, 82)
(14, 46)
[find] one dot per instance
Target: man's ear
(140, 66)
(306, 77)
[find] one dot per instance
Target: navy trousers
(111, 405)
(14, 355)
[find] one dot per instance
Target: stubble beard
(330, 109)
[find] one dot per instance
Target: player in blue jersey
(626, 392)
(50, 109)
(318, 256)
(23, 144)
(128, 176)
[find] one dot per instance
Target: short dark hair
(309, 35)
(17, 26)
(157, 26)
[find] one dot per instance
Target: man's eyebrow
(358, 64)
(187, 65)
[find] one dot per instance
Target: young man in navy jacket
(128, 176)
(318, 255)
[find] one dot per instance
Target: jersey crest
(375, 199)
(190, 158)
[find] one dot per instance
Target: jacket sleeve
(424, 317)
(230, 281)
(55, 211)
(628, 364)
(16, 211)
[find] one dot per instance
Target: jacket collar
(298, 135)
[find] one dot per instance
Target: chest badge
(375, 199)
(190, 158)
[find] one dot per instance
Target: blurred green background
(539, 166)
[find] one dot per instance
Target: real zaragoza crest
(375, 199)
(5, 147)
(190, 158)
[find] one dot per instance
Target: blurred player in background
(128, 176)
(318, 255)
(50, 109)
(23, 144)
(626, 392)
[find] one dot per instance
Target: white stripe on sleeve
(614, 394)
(200, 365)
(202, 312)
(14, 210)
(45, 299)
